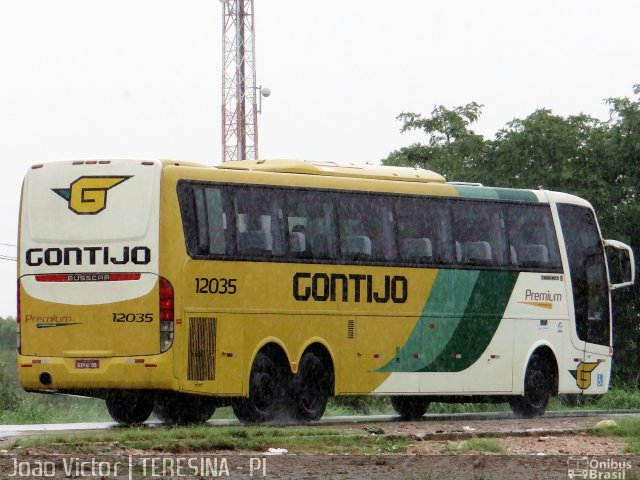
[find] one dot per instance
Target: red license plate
(87, 363)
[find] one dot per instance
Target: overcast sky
(142, 78)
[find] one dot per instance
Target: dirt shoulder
(544, 448)
(542, 436)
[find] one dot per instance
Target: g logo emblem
(88, 195)
(583, 374)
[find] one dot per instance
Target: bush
(9, 399)
(8, 329)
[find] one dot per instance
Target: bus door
(590, 288)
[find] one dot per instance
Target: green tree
(452, 149)
(8, 330)
(623, 222)
(9, 398)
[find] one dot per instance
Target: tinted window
(478, 234)
(422, 226)
(366, 228)
(259, 217)
(211, 221)
(532, 238)
(311, 225)
(254, 222)
(206, 213)
(588, 273)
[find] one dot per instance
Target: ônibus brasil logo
(88, 195)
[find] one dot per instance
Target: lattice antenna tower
(239, 90)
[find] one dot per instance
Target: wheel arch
(273, 347)
(322, 349)
(276, 349)
(546, 351)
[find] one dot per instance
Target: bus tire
(410, 407)
(311, 387)
(267, 390)
(183, 409)
(537, 389)
(130, 408)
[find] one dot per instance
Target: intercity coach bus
(271, 286)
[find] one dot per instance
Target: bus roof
(397, 174)
(406, 174)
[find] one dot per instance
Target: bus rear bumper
(60, 374)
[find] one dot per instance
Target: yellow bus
(271, 286)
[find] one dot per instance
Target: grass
(619, 399)
(627, 429)
(296, 439)
(38, 408)
(18, 407)
(207, 438)
(486, 445)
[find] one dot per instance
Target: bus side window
(535, 253)
(532, 237)
(211, 221)
(366, 228)
(259, 217)
(479, 234)
(298, 239)
(310, 225)
(474, 252)
(255, 242)
(356, 247)
(419, 226)
(416, 250)
(201, 220)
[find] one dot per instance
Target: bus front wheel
(410, 407)
(129, 408)
(267, 390)
(537, 390)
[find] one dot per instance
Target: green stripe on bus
(459, 320)
(483, 193)
(440, 317)
(478, 325)
(493, 193)
(517, 195)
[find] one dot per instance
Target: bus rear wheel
(537, 390)
(183, 409)
(129, 408)
(267, 391)
(311, 387)
(410, 407)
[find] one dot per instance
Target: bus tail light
(166, 314)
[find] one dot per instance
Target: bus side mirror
(621, 263)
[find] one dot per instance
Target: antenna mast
(239, 90)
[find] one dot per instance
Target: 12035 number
(220, 286)
(132, 317)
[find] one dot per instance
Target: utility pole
(239, 103)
